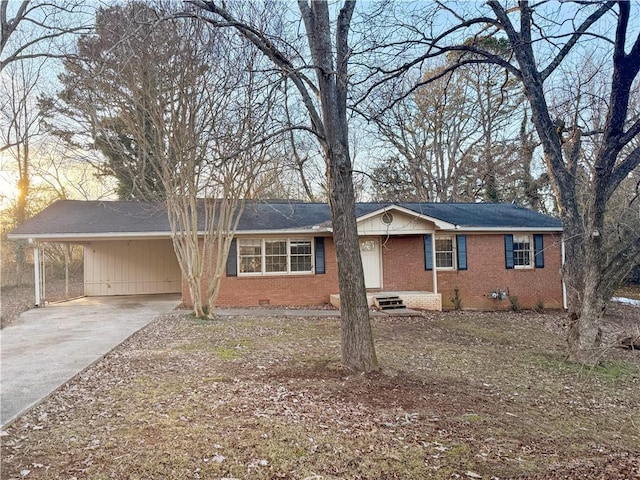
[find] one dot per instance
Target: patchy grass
(460, 394)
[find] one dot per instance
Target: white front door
(371, 261)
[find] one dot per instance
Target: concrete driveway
(46, 347)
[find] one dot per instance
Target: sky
(84, 15)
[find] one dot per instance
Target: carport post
(36, 269)
(433, 260)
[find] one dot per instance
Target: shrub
(515, 305)
(456, 300)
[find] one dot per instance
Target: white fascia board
(291, 231)
(438, 223)
(505, 229)
(83, 237)
(395, 233)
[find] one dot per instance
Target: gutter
(84, 237)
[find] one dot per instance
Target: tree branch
(622, 170)
(267, 47)
(488, 58)
(630, 134)
(619, 266)
(564, 51)
(342, 48)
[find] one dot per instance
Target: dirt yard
(19, 298)
(461, 395)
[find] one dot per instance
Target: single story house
(283, 252)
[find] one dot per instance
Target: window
(450, 252)
(300, 255)
(250, 256)
(445, 252)
(522, 251)
(274, 256)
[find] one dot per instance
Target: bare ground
(461, 395)
(16, 299)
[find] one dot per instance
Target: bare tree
(497, 99)
(540, 41)
(31, 34)
(326, 103)
(177, 110)
(454, 135)
(222, 164)
(19, 127)
(434, 132)
(38, 29)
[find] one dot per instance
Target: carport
(127, 246)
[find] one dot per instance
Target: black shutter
(538, 248)
(232, 259)
(428, 252)
(508, 251)
(319, 255)
(461, 241)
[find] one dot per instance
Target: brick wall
(403, 264)
(487, 273)
(281, 290)
(403, 270)
(423, 301)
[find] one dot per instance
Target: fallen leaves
(166, 404)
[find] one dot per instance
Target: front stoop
(388, 302)
(411, 299)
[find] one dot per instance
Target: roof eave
(84, 237)
(462, 228)
(70, 237)
(287, 231)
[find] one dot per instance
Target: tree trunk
(225, 216)
(583, 273)
(585, 310)
(21, 216)
(358, 351)
(331, 129)
(182, 212)
(585, 335)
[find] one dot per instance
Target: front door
(370, 253)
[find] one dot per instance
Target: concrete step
(388, 302)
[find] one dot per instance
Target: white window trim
(454, 261)
(531, 264)
(263, 265)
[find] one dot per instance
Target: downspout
(564, 285)
(36, 270)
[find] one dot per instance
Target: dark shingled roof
(77, 216)
(485, 215)
(96, 217)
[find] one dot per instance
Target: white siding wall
(131, 267)
(401, 224)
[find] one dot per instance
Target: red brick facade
(487, 273)
(403, 269)
(284, 290)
